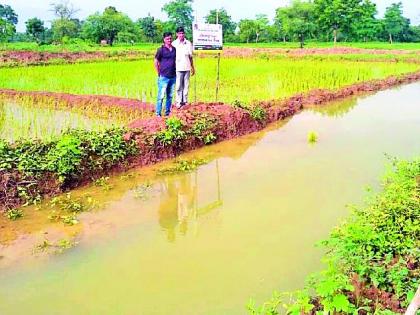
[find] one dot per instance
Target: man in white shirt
(184, 66)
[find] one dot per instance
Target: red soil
(21, 57)
(72, 100)
(246, 52)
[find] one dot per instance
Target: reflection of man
(184, 66)
(177, 205)
(168, 215)
(186, 198)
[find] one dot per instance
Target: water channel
(239, 227)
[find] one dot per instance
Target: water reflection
(337, 109)
(180, 207)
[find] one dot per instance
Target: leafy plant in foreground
(14, 214)
(173, 131)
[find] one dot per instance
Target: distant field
(245, 80)
(152, 46)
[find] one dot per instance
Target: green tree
(247, 30)
(8, 14)
(297, 20)
(224, 18)
(64, 29)
(414, 33)
(180, 14)
(336, 15)
(261, 27)
(366, 26)
(8, 21)
(108, 25)
(395, 23)
(65, 25)
(35, 29)
(149, 27)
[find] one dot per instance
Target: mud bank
(33, 58)
(81, 101)
(200, 124)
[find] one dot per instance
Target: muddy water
(204, 242)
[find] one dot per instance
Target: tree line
(318, 20)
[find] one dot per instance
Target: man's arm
(158, 58)
(157, 66)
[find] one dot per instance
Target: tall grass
(245, 80)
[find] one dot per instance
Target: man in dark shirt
(165, 68)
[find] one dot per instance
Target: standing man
(165, 68)
(184, 66)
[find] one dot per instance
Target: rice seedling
(253, 80)
(312, 137)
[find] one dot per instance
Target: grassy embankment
(372, 259)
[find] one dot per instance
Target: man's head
(180, 33)
(167, 38)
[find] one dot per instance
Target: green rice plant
(253, 80)
(312, 137)
(28, 119)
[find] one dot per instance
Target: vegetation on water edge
(25, 164)
(76, 155)
(372, 259)
(253, 80)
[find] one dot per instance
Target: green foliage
(396, 25)
(150, 28)
(182, 166)
(58, 247)
(379, 244)
(202, 128)
(312, 137)
(180, 14)
(73, 153)
(64, 29)
(66, 156)
(256, 111)
(260, 80)
(225, 19)
(67, 207)
(14, 214)
(109, 26)
(378, 241)
(35, 29)
(8, 22)
(297, 21)
(104, 183)
(172, 133)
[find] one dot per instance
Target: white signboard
(207, 36)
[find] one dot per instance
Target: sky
(238, 9)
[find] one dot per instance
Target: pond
(205, 242)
